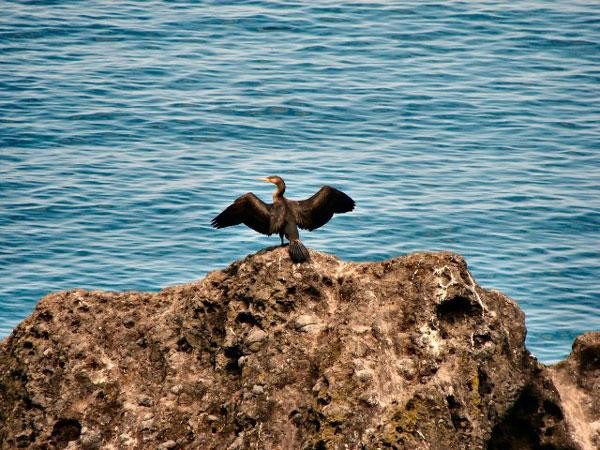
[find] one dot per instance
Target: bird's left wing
(316, 211)
(249, 210)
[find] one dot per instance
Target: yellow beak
(264, 179)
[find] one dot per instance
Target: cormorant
(284, 216)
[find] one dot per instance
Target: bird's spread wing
(249, 210)
(317, 210)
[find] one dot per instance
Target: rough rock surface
(405, 353)
(577, 379)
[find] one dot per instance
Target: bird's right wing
(249, 210)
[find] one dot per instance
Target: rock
(577, 380)
(364, 375)
(145, 400)
(168, 444)
(255, 339)
(147, 425)
(404, 353)
(90, 440)
(238, 443)
(129, 322)
(307, 323)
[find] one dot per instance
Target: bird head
(277, 181)
(273, 179)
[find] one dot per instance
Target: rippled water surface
(463, 126)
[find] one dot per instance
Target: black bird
(284, 216)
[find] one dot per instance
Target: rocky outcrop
(405, 353)
(577, 379)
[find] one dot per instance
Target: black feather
(298, 251)
(317, 210)
(249, 210)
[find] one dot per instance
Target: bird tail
(298, 251)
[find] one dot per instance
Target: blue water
(464, 126)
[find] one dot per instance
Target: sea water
(466, 126)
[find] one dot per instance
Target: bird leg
(281, 236)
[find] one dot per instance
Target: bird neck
(278, 194)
